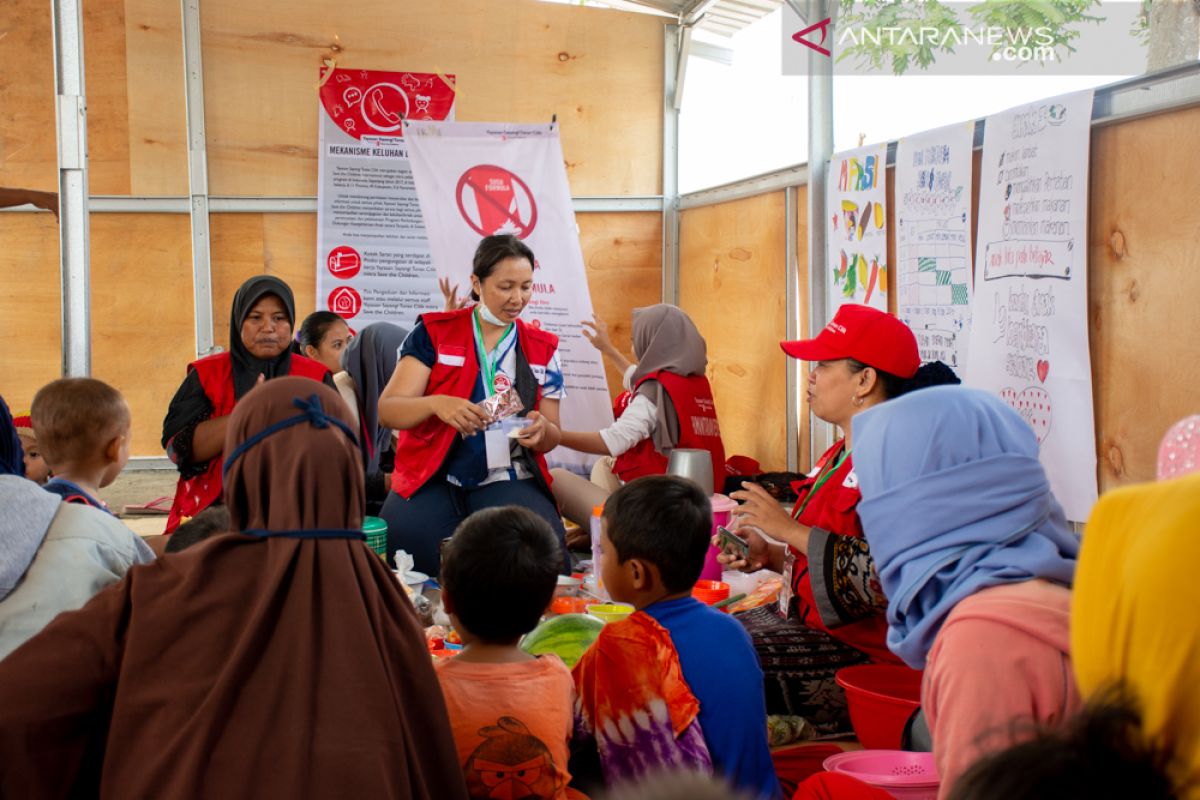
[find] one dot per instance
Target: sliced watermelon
(567, 636)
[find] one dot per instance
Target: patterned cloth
(799, 664)
(845, 584)
(633, 700)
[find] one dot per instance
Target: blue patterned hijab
(954, 500)
(12, 458)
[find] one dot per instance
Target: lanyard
(488, 364)
(821, 479)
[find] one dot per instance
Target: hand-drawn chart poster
(1029, 334)
(373, 262)
(856, 204)
(933, 241)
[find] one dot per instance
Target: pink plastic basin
(904, 775)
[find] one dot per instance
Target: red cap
(23, 424)
(865, 334)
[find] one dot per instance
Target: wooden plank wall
(1144, 276)
(731, 283)
(600, 71)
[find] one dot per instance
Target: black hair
(1100, 753)
(931, 373)
(500, 569)
(494, 249)
(665, 520)
(211, 521)
(313, 329)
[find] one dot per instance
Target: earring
(858, 401)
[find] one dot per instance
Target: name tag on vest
(451, 355)
(539, 372)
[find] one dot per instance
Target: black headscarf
(247, 368)
(370, 360)
(12, 457)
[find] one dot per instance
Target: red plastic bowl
(710, 592)
(881, 698)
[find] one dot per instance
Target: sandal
(159, 506)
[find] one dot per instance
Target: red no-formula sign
(345, 302)
(375, 103)
(493, 200)
(343, 262)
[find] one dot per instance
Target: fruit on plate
(567, 636)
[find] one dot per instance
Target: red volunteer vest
(193, 495)
(835, 509)
(421, 449)
(698, 429)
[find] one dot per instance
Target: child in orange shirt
(512, 714)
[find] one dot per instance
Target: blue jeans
(419, 524)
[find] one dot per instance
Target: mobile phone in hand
(733, 544)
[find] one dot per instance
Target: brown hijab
(265, 666)
(665, 338)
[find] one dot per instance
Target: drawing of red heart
(1033, 404)
(1043, 367)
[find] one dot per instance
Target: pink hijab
(1179, 453)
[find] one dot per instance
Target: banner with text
(933, 241)
(476, 179)
(1029, 332)
(373, 260)
(856, 206)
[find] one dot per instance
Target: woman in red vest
(863, 357)
(668, 405)
(451, 458)
(260, 340)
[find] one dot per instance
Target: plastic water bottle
(592, 582)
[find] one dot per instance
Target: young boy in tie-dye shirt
(677, 684)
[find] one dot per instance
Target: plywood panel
(622, 254)
(27, 143)
(1143, 304)
(241, 248)
(520, 60)
(142, 330)
(134, 82)
(29, 306)
(804, 429)
(732, 273)
(107, 102)
(157, 123)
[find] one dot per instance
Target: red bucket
(881, 698)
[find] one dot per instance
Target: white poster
(1029, 334)
(856, 201)
(372, 257)
(933, 241)
(475, 179)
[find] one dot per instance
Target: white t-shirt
(637, 422)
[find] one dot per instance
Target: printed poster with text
(476, 179)
(1029, 332)
(856, 202)
(933, 241)
(373, 261)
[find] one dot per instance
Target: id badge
(495, 441)
(785, 592)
